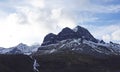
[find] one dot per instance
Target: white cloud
(106, 37)
(65, 22)
(33, 19)
(105, 32)
(2, 15)
(61, 19)
(116, 35)
(56, 13)
(29, 24)
(37, 3)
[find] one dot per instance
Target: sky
(28, 21)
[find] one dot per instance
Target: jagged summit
(21, 45)
(77, 28)
(67, 33)
(20, 49)
(84, 33)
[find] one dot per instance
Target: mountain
(20, 49)
(18, 59)
(76, 50)
(67, 33)
(83, 47)
(71, 50)
(79, 40)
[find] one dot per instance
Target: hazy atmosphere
(28, 21)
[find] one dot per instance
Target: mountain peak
(21, 44)
(67, 33)
(84, 33)
(77, 28)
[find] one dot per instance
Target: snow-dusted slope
(20, 49)
(5, 50)
(67, 33)
(82, 47)
(77, 40)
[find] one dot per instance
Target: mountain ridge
(67, 33)
(20, 49)
(69, 51)
(79, 40)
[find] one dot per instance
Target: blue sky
(28, 21)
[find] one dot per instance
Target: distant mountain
(67, 33)
(20, 49)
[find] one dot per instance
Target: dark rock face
(50, 39)
(68, 33)
(84, 33)
(16, 63)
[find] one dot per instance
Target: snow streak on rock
(35, 65)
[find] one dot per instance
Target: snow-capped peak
(20, 49)
(67, 33)
(21, 45)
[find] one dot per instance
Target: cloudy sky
(28, 21)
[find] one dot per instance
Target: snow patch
(35, 65)
(53, 50)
